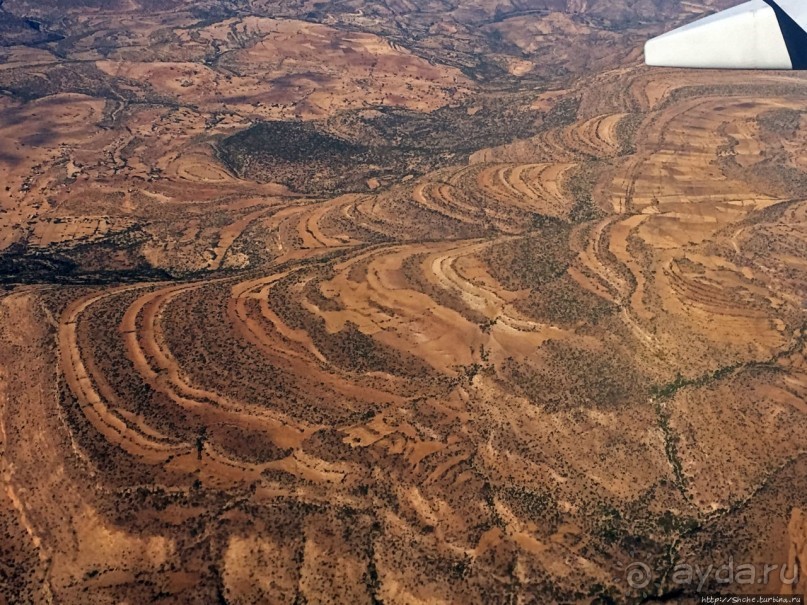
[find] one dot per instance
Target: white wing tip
(747, 36)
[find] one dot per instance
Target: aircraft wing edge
(759, 34)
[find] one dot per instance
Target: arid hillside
(394, 302)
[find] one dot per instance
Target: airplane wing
(761, 34)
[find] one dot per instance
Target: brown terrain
(393, 302)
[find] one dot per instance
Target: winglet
(760, 34)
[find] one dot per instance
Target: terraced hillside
(418, 323)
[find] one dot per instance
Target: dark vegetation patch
(39, 267)
(115, 260)
(565, 303)
(581, 185)
(245, 444)
(495, 120)
(532, 261)
(117, 468)
(80, 78)
(777, 176)
(229, 365)
(571, 377)
(342, 154)
(105, 350)
(626, 132)
(537, 504)
(303, 158)
(563, 113)
(773, 174)
(783, 122)
(330, 445)
(733, 90)
(539, 262)
(17, 31)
